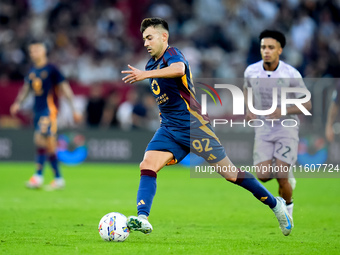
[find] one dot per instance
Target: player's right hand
(133, 75)
(14, 109)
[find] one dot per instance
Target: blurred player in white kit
(275, 144)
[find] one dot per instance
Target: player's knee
(146, 164)
(264, 176)
(231, 179)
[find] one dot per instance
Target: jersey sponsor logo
(162, 99)
(37, 86)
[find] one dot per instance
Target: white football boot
(139, 223)
(56, 184)
(282, 215)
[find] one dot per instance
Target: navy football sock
(40, 160)
(249, 182)
(55, 165)
(146, 191)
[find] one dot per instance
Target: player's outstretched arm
(332, 113)
(23, 93)
(173, 71)
(68, 93)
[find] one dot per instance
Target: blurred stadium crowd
(91, 41)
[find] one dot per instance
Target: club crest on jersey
(155, 87)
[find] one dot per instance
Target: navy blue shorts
(201, 141)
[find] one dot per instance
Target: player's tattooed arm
(23, 93)
(173, 71)
(68, 93)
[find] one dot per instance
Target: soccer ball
(112, 227)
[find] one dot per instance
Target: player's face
(37, 52)
(154, 41)
(270, 50)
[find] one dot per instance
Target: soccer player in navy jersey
(182, 127)
(332, 113)
(45, 80)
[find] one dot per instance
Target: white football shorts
(282, 148)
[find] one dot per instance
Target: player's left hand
(14, 109)
(134, 75)
(276, 114)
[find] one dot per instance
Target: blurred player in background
(182, 127)
(332, 113)
(46, 82)
(275, 145)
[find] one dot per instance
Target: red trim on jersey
(170, 52)
(173, 51)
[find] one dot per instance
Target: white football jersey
(262, 83)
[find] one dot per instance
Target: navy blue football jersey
(176, 96)
(44, 81)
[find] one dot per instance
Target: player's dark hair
(277, 35)
(153, 22)
(39, 41)
(36, 41)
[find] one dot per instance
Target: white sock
(290, 209)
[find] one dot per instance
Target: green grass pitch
(189, 216)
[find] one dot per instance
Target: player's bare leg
(231, 174)
(285, 188)
(152, 163)
(155, 160)
(263, 171)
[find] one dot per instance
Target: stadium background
(92, 41)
